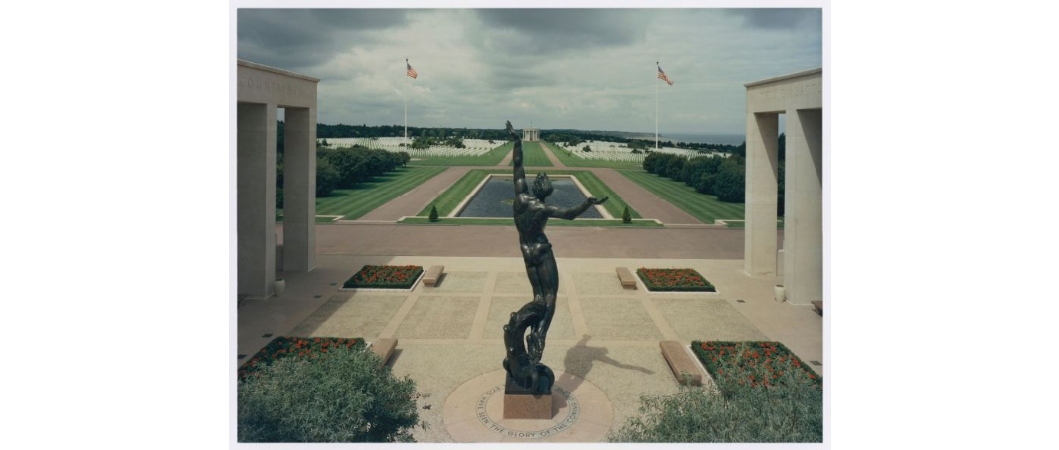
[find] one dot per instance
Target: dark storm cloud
(778, 18)
(301, 38)
(538, 31)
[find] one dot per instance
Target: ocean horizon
(698, 138)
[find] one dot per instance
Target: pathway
(644, 202)
(492, 240)
(412, 202)
(551, 156)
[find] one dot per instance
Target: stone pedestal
(527, 406)
(522, 403)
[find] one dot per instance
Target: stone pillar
(762, 163)
(299, 189)
(803, 211)
(256, 197)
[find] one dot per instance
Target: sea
(703, 138)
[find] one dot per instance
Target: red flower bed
(752, 364)
(674, 280)
(294, 347)
(384, 277)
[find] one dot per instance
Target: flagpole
(406, 105)
(656, 110)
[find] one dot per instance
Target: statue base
(522, 403)
(527, 406)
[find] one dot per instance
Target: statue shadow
(580, 359)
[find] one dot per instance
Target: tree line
(572, 137)
(722, 177)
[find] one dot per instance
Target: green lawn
(449, 199)
(636, 223)
(704, 207)
(353, 203)
(533, 156)
(492, 158)
(570, 160)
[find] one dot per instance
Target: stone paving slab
(589, 283)
(618, 319)
(358, 315)
(500, 310)
(438, 317)
(518, 283)
(460, 281)
(706, 319)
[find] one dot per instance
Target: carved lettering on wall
(251, 83)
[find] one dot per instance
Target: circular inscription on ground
(573, 411)
(581, 412)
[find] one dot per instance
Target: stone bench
(681, 362)
(627, 278)
(384, 348)
(433, 273)
(819, 305)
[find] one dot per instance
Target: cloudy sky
(590, 69)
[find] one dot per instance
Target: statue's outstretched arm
(572, 213)
(516, 160)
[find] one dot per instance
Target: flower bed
(384, 277)
(298, 347)
(752, 364)
(680, 280)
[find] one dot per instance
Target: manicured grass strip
(614, 223)
(448, 200)
(294, 347)
(569, 159)
(353, 203)
(455, 193)
(492, 158)
(533, 156)
(703, 207)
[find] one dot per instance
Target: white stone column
(762, 162)
(256, 197)
(803, 212)
(299, 189)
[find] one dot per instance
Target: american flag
(663, 77)
(412, 72)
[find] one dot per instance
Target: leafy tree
(674, 167)
(586, 149)
(326, 177)
(730, 184)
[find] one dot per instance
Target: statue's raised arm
(516, 160)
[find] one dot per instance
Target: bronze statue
(525, 372)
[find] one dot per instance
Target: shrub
(788, 412)
(625, 216)
(730, 183)
(433, 213)
(674, 167)
(654, 161)
(586, 149)
(326, 177)
(704, 185)
(279, 198)
(345, 395)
